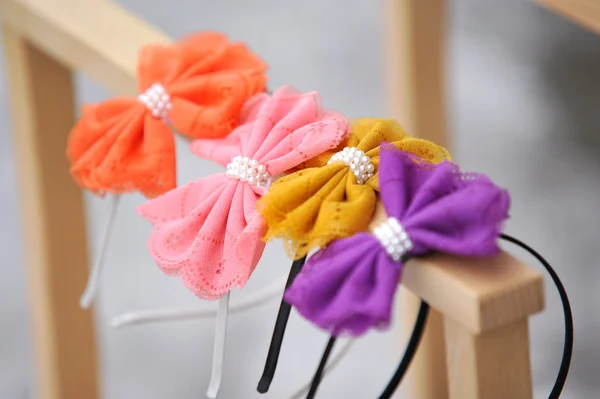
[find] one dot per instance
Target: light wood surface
(583, 12)
(427, 376)
(95, 37)
(42, 102)
(415, 67)
(44, 41)
(493, 365)
(480, 294)
(415, 44)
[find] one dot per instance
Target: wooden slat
(42, 100)
(96, 37)
(415, 69)
(427, 377)
(583, 12)
(480, 294)
(494, 365)
(415, 66)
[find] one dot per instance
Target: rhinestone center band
(394, 238)
(248, 170)
(157, 100)
(359, 163)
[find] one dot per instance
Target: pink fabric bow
(208, 231)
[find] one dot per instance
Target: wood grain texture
(42, 101)
(583, 12)
(427, 376)
(96, 37)
(493, 365)
(480, 294)
(415, 67)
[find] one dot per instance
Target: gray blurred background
(524, 96)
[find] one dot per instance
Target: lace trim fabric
(208, 232)
(348, 287)
(199, 84)
(323, 202)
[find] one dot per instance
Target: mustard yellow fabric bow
(323, 202)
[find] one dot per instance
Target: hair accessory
(208, 232)
(419, 327)
(196, 85)
(333, 198)
(349, 286)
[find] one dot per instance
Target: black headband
(278, 332)
(419, 327)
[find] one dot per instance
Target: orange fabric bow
(197, 85)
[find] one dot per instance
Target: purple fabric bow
(349, 286)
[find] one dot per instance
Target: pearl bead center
(157, 100)
(248, 170)
(357, 161)
(394, 238)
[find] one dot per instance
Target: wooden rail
(414, 65)
(583, 12)
(45, 42)
(481, 307)
(95, 37)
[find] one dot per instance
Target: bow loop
(117, 147)
(280, 131)
(313, 200)
(348, 287)
(208, 79)
(195, 55)
(209, 106)
(443, 209)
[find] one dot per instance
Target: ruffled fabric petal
(196, 232)
(207, 79)
(214, 242)
(117, 147)
(222, 150)
(193, 55)
(348, 287)
(318, 207)
(311, 207)
(280, 131)
(209, 106)
(441, 208)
